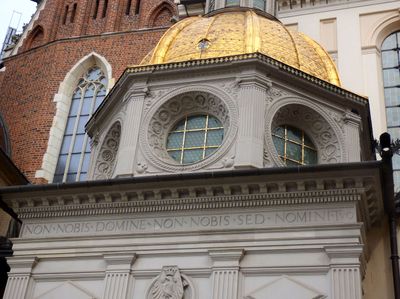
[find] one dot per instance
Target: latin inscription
(191, 223)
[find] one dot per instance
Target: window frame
(63, 173)
(391, 124)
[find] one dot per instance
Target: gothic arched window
(391, 83)
(74, 157)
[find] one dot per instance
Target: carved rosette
(317, 127)
(170, 284)
(105, 162)
(162, 118)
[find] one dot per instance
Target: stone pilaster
(345, 271)
(19, 278)
(225, 273)
(118, 281)
(352, 127)
(251, 101)
(130, 132)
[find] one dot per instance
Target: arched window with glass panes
(74, 157)
(390, 52)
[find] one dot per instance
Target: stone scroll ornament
(108, 152)
(168, 285)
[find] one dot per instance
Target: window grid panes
(260, 4)
(194, 138)
(294, 146)
(232, 3)
(391, 83)
(73, 161)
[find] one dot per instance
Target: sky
(26, 7)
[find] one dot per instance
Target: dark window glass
(73, 12)
(65, 14)
(128, 7)
(137, 7)
(294, 147)
(96, 9)
(105, 9)
(73, 162)
(194, 138)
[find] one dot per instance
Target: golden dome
(238, 32)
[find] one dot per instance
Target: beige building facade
(188, 195)
(353, 33)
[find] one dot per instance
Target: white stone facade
(352, 32)
(248, 103)
(239, 235)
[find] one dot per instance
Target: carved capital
(136, 93)
(226, 257)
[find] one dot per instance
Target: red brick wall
(32, 77)
(52, 18)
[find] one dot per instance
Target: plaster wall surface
(359, 26)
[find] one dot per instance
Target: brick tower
(67, 35)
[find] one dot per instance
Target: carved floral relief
(162, 118)
(105, 162)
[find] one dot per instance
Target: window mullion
(183, 140)
(85, 138)
(205, 137)
(73, 136)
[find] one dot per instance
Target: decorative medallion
(163, 118)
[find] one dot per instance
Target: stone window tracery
(74, 156)
(391, 83)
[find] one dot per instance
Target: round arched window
(194, 138)
(294, 146)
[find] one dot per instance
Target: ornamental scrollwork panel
(160, 120)
(318, 128)
(106, 159)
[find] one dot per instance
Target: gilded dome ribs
(295, 48)
(166, 40)
(230, 33)
(206, 34)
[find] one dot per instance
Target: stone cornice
(39, 207)
(245, 57)
(323, 184)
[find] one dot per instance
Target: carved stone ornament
(318, 128)
(106, 158)
(161, 119)
(274, 94)
(168, 285)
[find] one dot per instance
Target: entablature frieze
(196, 195)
